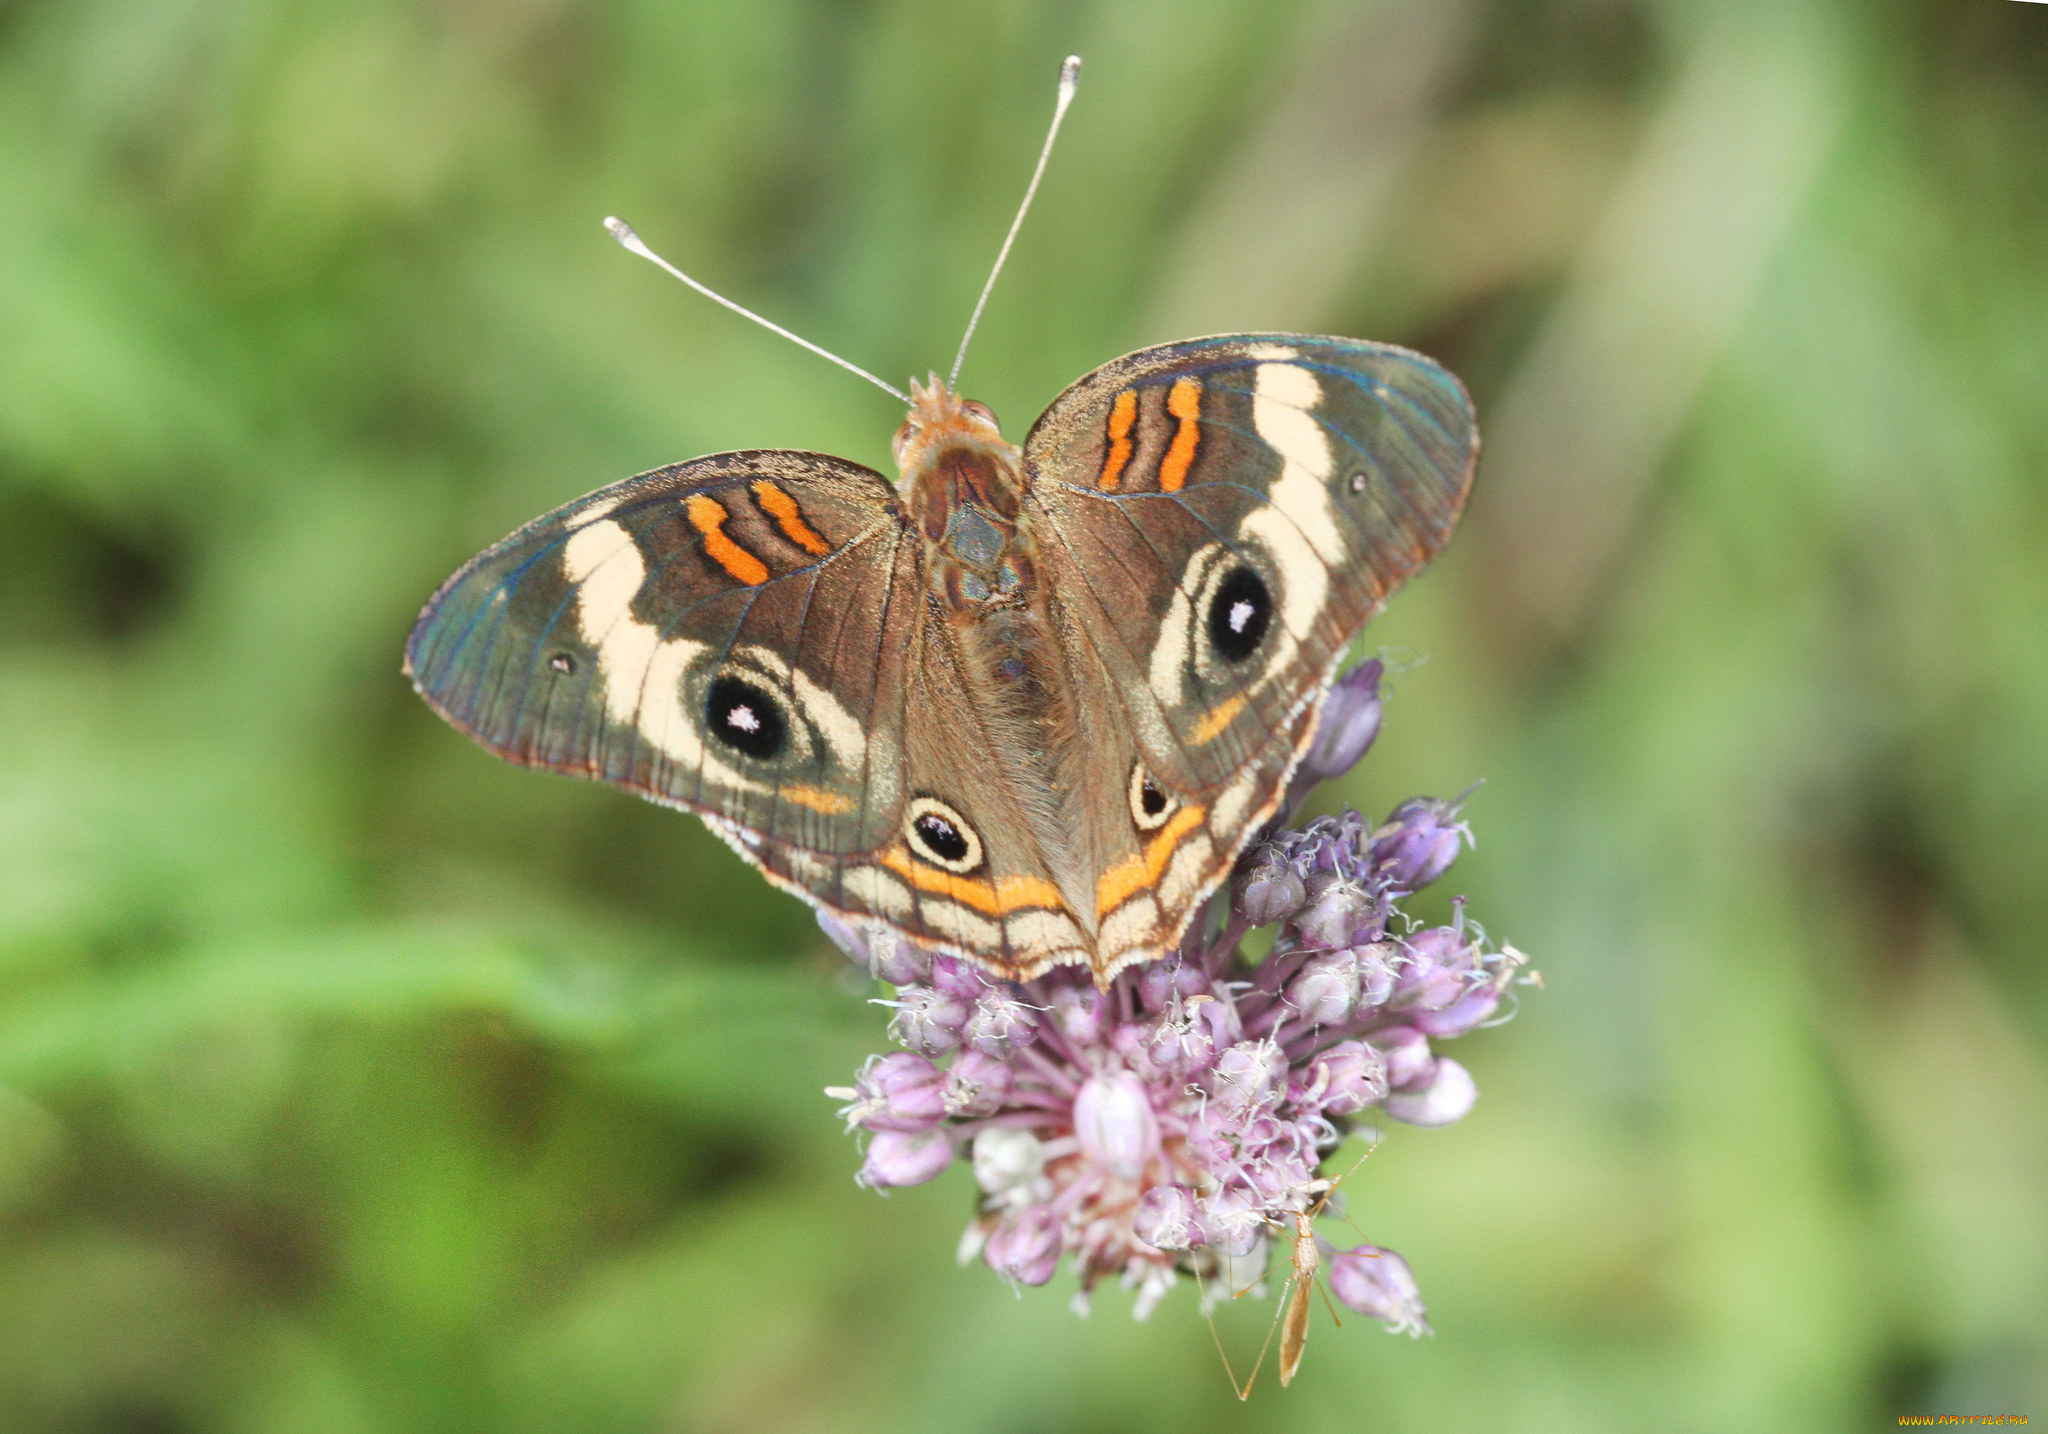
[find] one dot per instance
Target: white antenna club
(1070, 77)
(1070, 73)
(623, 232)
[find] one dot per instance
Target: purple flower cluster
(1177, 1121)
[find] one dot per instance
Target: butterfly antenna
(623, 232)
(1070, 76)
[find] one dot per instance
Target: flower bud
(926, 1021)
(1376, 973)
(959, 979)
(1423, 985)
(1335, 909)
(1025, 1247)
(1212, 1140)
(1275, 1171)
(1378, 1283)
(1114, 1123)
(1406, 1053)
(1347, 1078)
(1448, 1095)
(1077, 1013)
(899, 1157)
(1163, 983)
(1461, 1015)
(1247, 1076)
(1228, 1222)
(1259, 1130)
(1179, 1045)
(1165, 1218)
(897, 960)
(1350, 720)
(1325, 990)
(1418, 843)
(1436, 968)
(1221, 1020)
(1449, 947)
(1006, 1160)
(976, 1085)
(847, 938)
(1130, 1042)
(887, 956)
(899, 1091)
(1267, 888)
(999, 1024)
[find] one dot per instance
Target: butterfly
(1026, 704)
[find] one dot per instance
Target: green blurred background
(351, 1081)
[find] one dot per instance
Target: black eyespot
(745, 718)
(1238, 614)
(1150, 805)
(941, 836)
(563, 663)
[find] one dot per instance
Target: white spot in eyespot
(1240, 614)
(743, 718)
(1358, 482)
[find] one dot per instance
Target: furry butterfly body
(1027, 705)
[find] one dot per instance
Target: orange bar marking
(817, 799)
(1012, 893)
(790, 518)
(1142, 872)
(1216, 719)
(1183, 401)
(709, 518)
(1123, 415)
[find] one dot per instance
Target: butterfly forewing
(1256, 497)
(680, 634)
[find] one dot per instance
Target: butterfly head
(940, 419)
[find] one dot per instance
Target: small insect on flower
(1305, 1261)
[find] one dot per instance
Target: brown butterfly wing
(749, 637)
(970, 868)
(680, 635)
(1220, 518)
